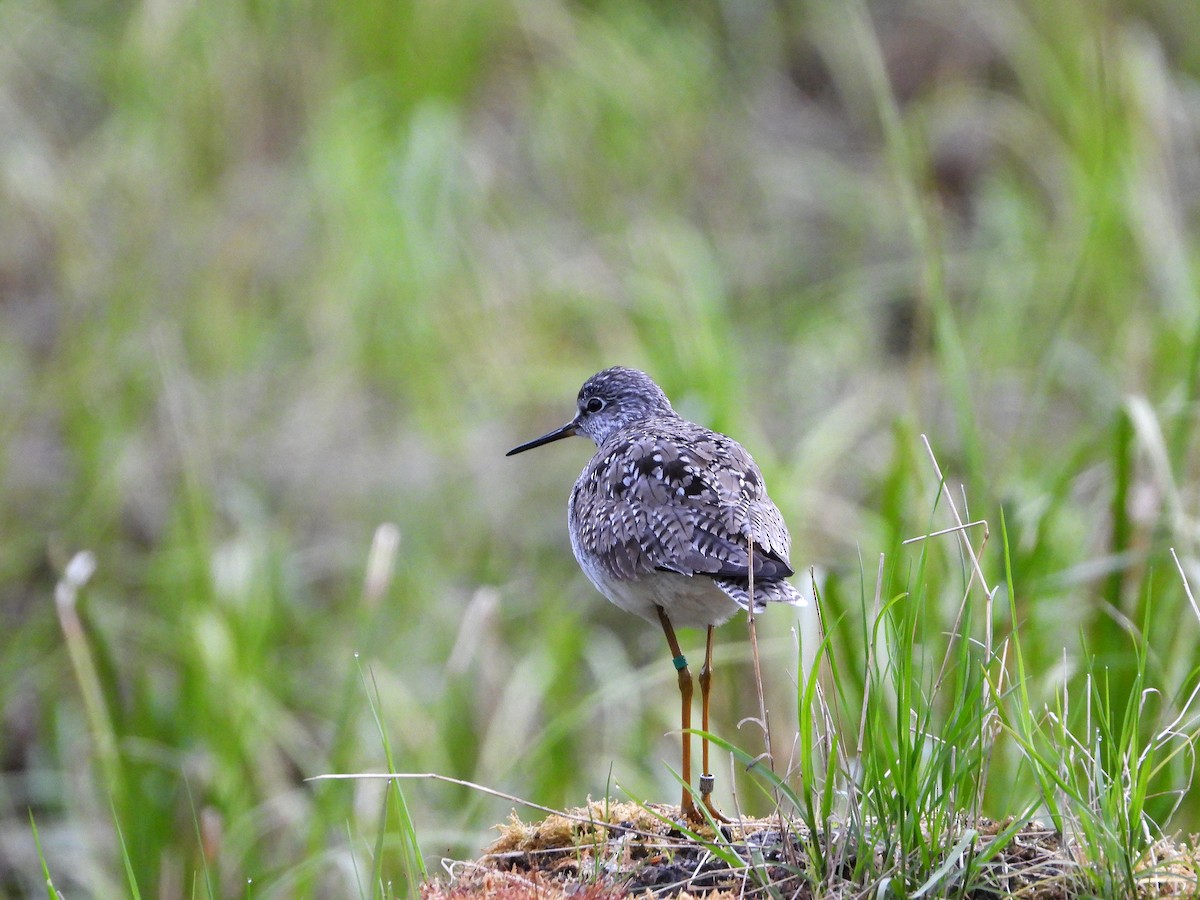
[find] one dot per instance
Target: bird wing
(680, 502)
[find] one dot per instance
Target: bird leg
(706, 779)
(685, 693)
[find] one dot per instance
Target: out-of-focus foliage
(274, 273)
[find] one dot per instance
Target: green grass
(911, 762)
(272, 275)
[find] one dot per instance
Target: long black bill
(556, 435)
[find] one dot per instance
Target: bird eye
(595, 405)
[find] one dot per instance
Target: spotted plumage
(664, 513)
(671, 521)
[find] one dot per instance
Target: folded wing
(691, 504)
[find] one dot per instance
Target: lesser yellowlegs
(671, 521)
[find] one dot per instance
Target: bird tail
(765, 591)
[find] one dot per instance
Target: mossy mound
(605, 851)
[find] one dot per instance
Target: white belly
(690, 601)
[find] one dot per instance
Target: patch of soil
(606, 851)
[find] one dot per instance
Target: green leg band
(680, 663)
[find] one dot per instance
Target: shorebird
(672, 522)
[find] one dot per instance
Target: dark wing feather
(679, 498)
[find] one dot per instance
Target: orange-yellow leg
(685, 693)
(706, 778)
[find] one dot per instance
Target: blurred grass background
(273, 273)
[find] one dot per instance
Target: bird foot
(707, 783)
(714, 812)
(692, 813)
